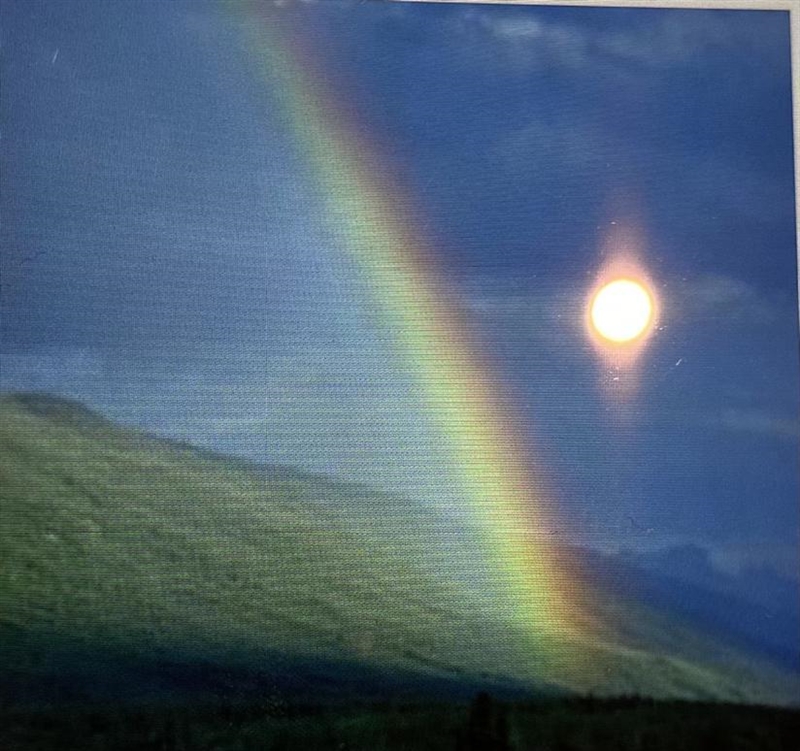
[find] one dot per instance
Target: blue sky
(166, 257)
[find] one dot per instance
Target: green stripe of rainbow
(487, 448)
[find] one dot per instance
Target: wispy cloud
(682, 37)
(526, 41)
(713, 292)
(734, 557)
(760, 422)
(667, 40)
(717, 296)
(671, 41)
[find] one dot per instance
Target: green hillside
(116, 543)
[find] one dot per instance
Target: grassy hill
(134, 565)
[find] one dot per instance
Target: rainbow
(489, 454)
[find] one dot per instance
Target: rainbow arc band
(488, 451)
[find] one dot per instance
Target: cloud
(535, 317)
(525, 40)
(518, 28)
(551, 312)
(716, 188)
(735, 557)
(760, 422)
(674, 40)
(681, 38)
(720, 292)
(724, 297)
(667, 39)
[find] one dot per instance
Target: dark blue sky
(166, 257)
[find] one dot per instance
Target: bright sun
(621, 310)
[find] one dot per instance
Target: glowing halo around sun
(621, 311)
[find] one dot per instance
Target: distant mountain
(758, 610)
(688, 563)
(133, 567)
(692, 564)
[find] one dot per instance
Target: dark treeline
(486, 724)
